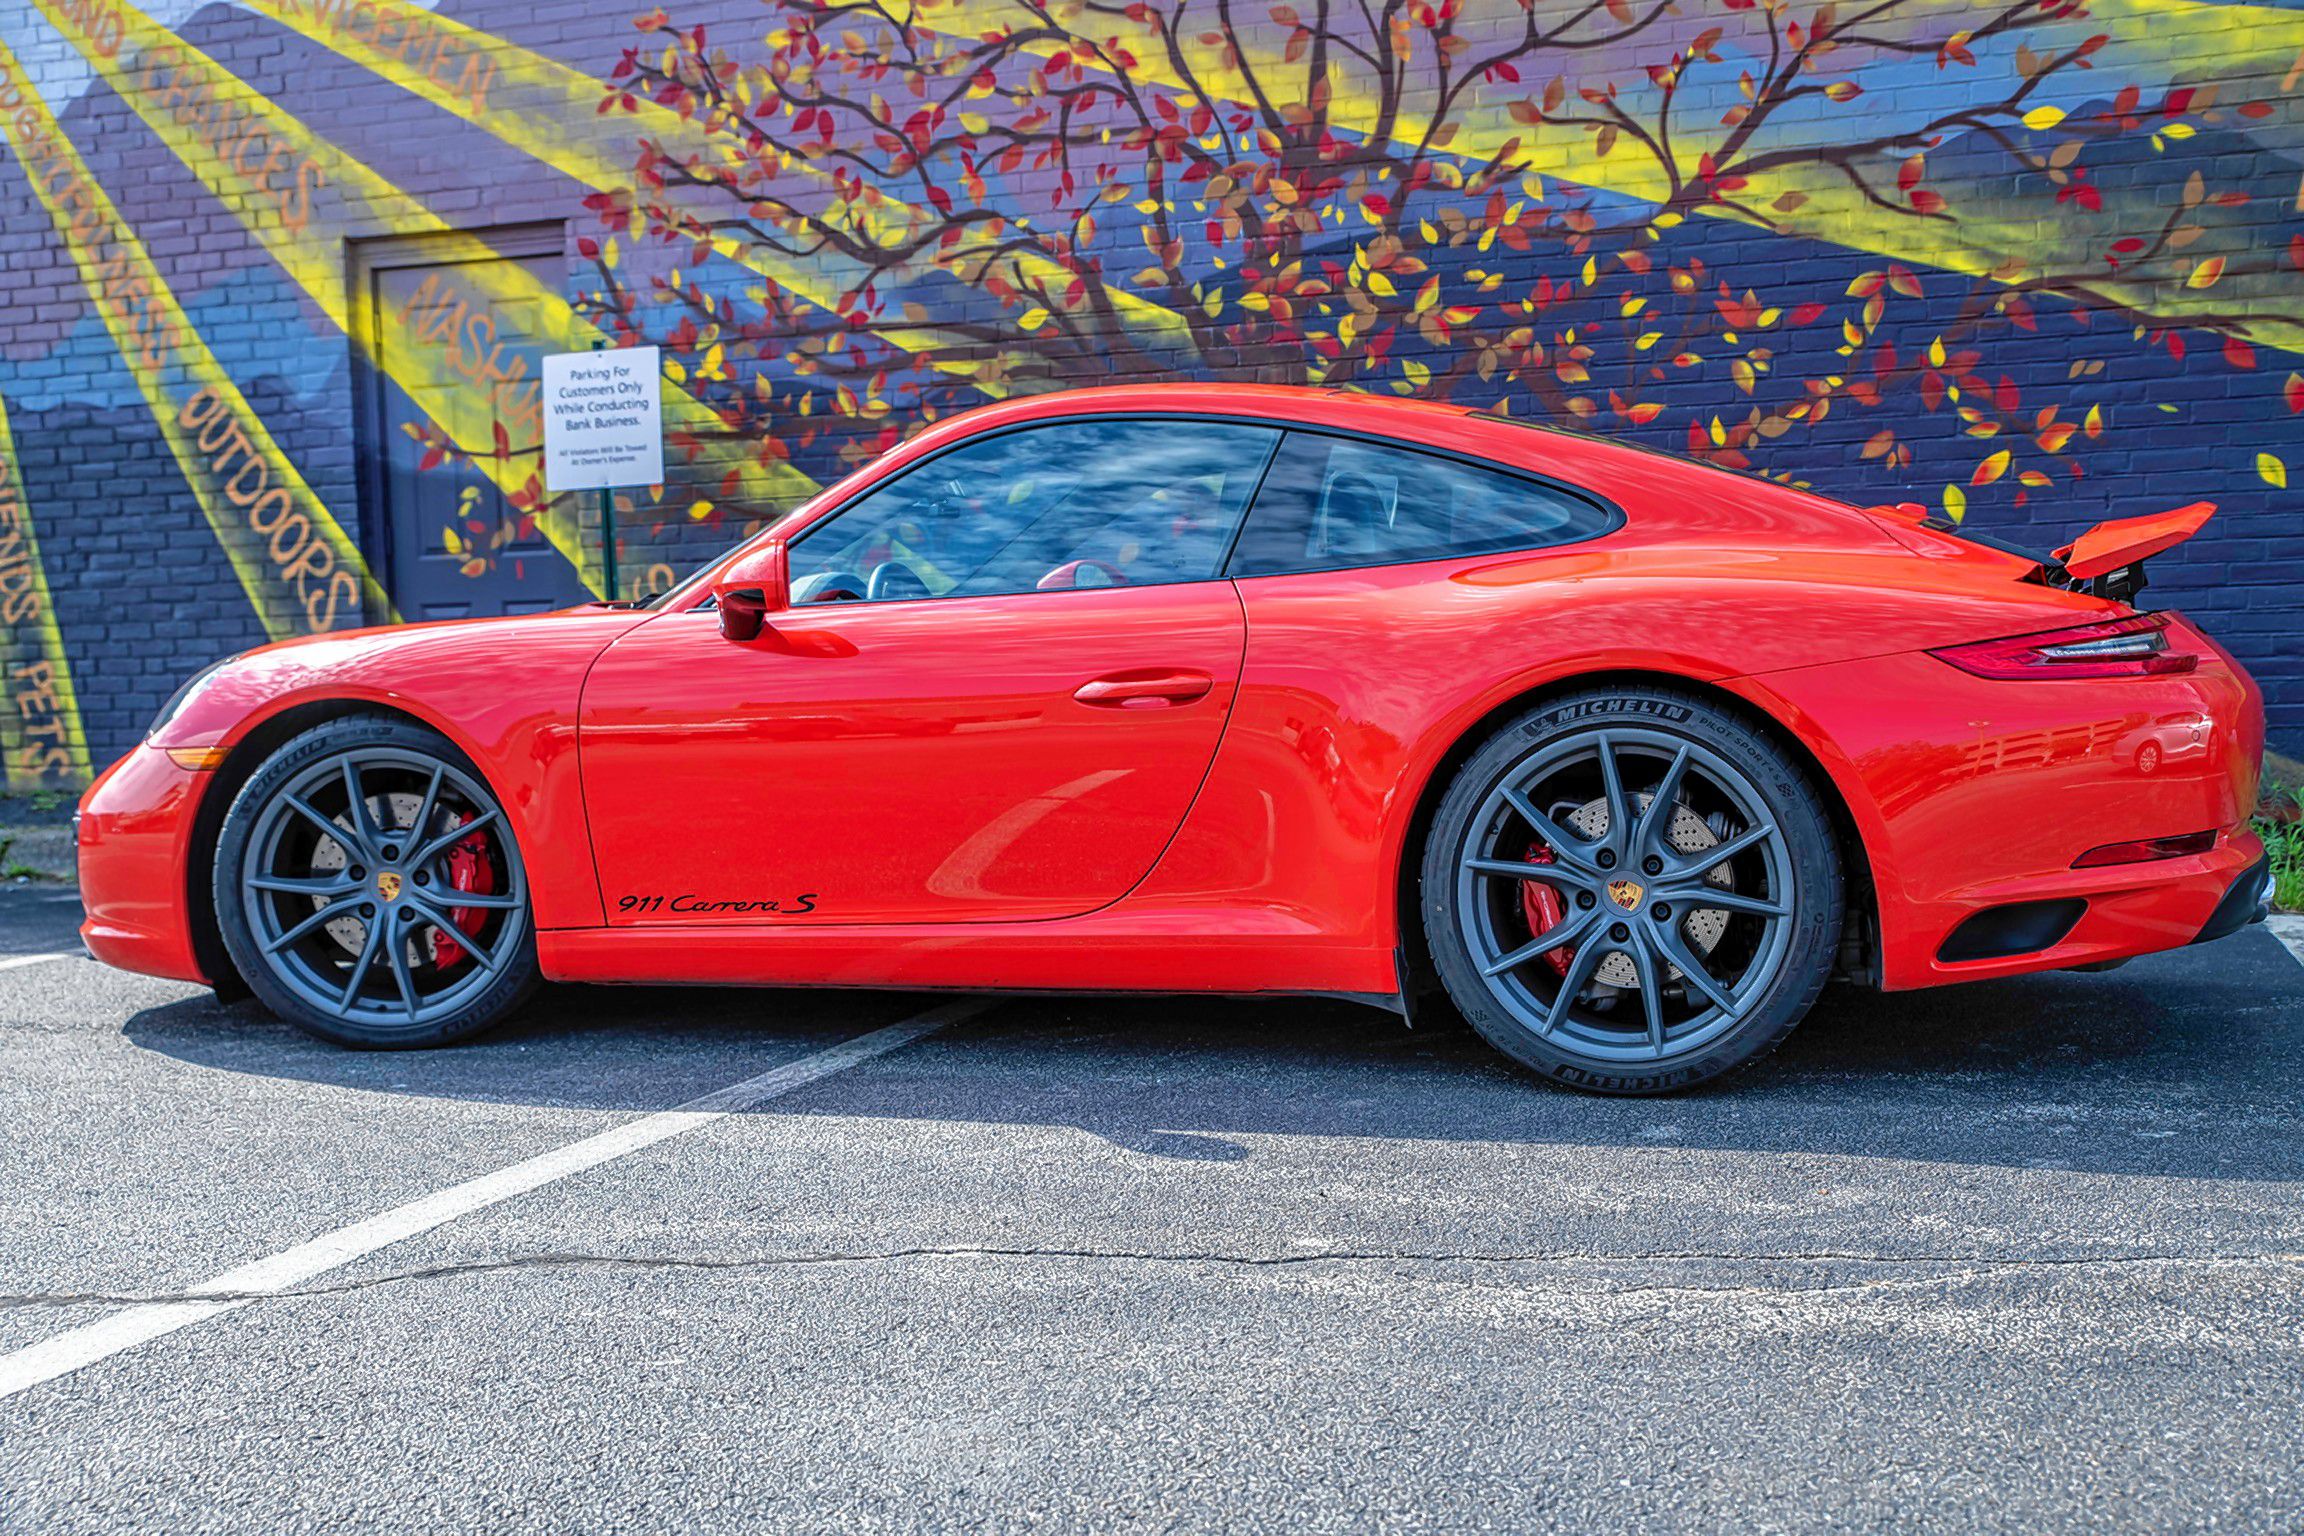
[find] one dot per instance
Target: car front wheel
(369, 889)
(1632, 891)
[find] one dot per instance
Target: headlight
(184, 696)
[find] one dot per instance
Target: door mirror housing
(754, 585)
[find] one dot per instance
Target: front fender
(505, 691)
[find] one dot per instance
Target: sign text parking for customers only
(603, 419)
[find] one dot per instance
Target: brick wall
(2092, 271)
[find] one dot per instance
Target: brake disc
(1688, 834)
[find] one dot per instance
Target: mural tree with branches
(1556, 209)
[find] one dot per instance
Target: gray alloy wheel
(369, 889)
(1632, 891)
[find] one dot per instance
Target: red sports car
(1226, 689)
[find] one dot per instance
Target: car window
(1069, 505)
(1331, 503)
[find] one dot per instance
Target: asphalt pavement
(2022, 1256)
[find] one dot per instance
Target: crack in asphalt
(1955, 1267)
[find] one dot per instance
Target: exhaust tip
(2016, 928)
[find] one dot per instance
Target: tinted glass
(1330, 503)
(1077, 504)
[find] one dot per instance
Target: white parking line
(235, 1288)
(2289, 930)
(10, 962)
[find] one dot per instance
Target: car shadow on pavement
(2189, 1064)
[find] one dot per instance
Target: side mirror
(756, 584)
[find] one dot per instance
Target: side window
(1053, 508)
(1330, 503)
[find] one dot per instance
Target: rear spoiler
(2106, 561)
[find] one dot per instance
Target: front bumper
(134, 842)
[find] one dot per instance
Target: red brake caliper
(1545, 909)
(467, 871)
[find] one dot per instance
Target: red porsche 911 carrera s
(1228, 689)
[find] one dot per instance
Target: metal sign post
(607, 521)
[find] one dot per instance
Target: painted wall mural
(279, 270)
(42, 742)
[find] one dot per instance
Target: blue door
(458, 546)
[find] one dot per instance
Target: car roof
(1483, 434)
(1669, 494)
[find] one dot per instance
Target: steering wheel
(830, 587)
(1068, 575)
(893, 578)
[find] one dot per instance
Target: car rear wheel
(369, 889)
(1631, 891)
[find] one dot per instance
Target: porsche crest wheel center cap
(1689, 833)
(388, 885)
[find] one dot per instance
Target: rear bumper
(2126, 910)
(2248, 901)
(133, 845)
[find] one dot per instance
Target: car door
(999, 688)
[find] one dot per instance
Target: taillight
(2136, 646)
(2146, 849)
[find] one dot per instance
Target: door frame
(604, 765)
(365, 259)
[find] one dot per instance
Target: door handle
(1144, 690)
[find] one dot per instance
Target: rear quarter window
(1331, 503)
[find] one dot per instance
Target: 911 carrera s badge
(792, 906)
(388, 885)
(1626, 894)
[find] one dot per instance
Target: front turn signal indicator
(2135, 646)
(198, 759)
